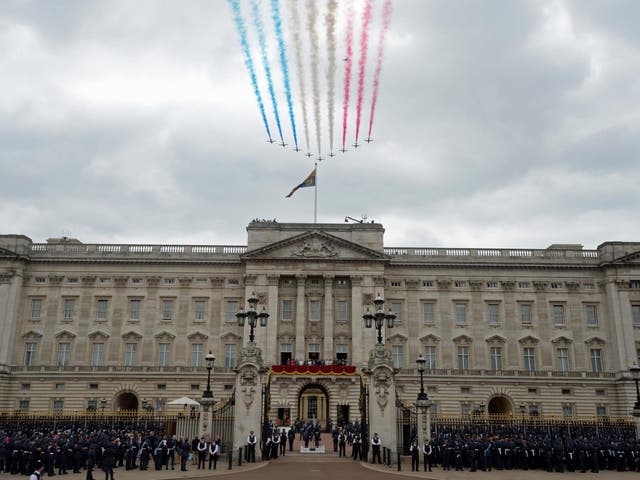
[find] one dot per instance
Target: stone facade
(553, 329)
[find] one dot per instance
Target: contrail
(386, 21)
(312, 13)
(295, 23)
(265, 61)
(330, 19)
(277, 20)
(347, 71)
(248, 61)
(364, 45)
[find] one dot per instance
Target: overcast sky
(499, 123)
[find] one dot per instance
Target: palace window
(134, 310)
(596, 359)
(287, 310)
(525, 314)
(558, 314)
(30, 354)
(493, 311)
(199, 310)
(496, 358)
(97, 354)
(461, 313)
(23, 405)
(563, 359)
(36, 308)
(286, 353)
(167, 309)
(130, 354)
(523, 284)
(164, 350)
(342, 351)
(58, 405)
(196, 354)
(68, 307)
(314, 351)
(601, 411)
(229, 356)
(230, 312)
(635, 314)
(430, 356)
(529, 359)
(428, 313)
(591, 312)
(397, 356)
(101, 312)
(567, 409)
(342, 311)
(64, 353)
(396, 308)
(463, 358)
(314, 310)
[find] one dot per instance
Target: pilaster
(382, 397)
(357, 338)
(328, 317)
(271, 334)
(249, 380)
(301, 303)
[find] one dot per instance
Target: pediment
(197, 336)
(132, 334)
(165, 334)
(496, 339)
(529, 340)
(32, 334)
(562, 339)
(314, 245)
(595, 341)
(632, 258)
(397, 337)
(462, 339)
(430, 338)
(65, 333)
(98, 334)
(231, 337)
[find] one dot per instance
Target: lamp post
(207, 400)
(252, 316)
(379, 317)
(422, 396)
(422, 406)
(209, 358)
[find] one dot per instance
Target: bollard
(399, 467)
(239, 456)
(384, 456)
(230, 458)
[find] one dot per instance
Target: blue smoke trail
(248, 61)
(277, 20)
(265, 61)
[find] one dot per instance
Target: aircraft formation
(318, 32)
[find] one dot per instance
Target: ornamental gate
(363, 404)
(406, 425)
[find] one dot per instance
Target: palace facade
(552, 331)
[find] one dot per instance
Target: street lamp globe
(421, 361)
(209, 358)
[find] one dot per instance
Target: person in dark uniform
(91, 462)
(334, 437)
(427, 455)
(415, 456)
(202, 453)
(275, 443)
(342, 442)
(109, 459)
(376, 443)
(291, 435)
(251, 447)
(356, 446)
(214, 453)
(283, 442)
(185, 449)
(171, 452)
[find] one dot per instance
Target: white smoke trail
(330, 20)
(295, 23)
(312, 14)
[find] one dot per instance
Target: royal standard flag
(310, 181)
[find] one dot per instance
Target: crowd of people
(62, 448)
(547, 449)
(317, 362)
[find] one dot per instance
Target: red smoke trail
(364, 45)
(386, 20)
(347, 72)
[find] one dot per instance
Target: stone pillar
(272, 355)
(424, 421)
(205, 418)
(328, 318)
(10, 293)
(249, 381)
(301, 309)
(382, 398)
(357, 343)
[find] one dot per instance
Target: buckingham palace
(552, 330)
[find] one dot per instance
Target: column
(328, 318)
(382, 398)
(271, 355)
(301, 317)
(10, 293)
(424, 422)
(357, 340)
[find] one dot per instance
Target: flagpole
(315, 196)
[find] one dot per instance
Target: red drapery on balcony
(315, 369)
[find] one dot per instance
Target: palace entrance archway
(313, 403)
(126, 401)
(500, 406)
